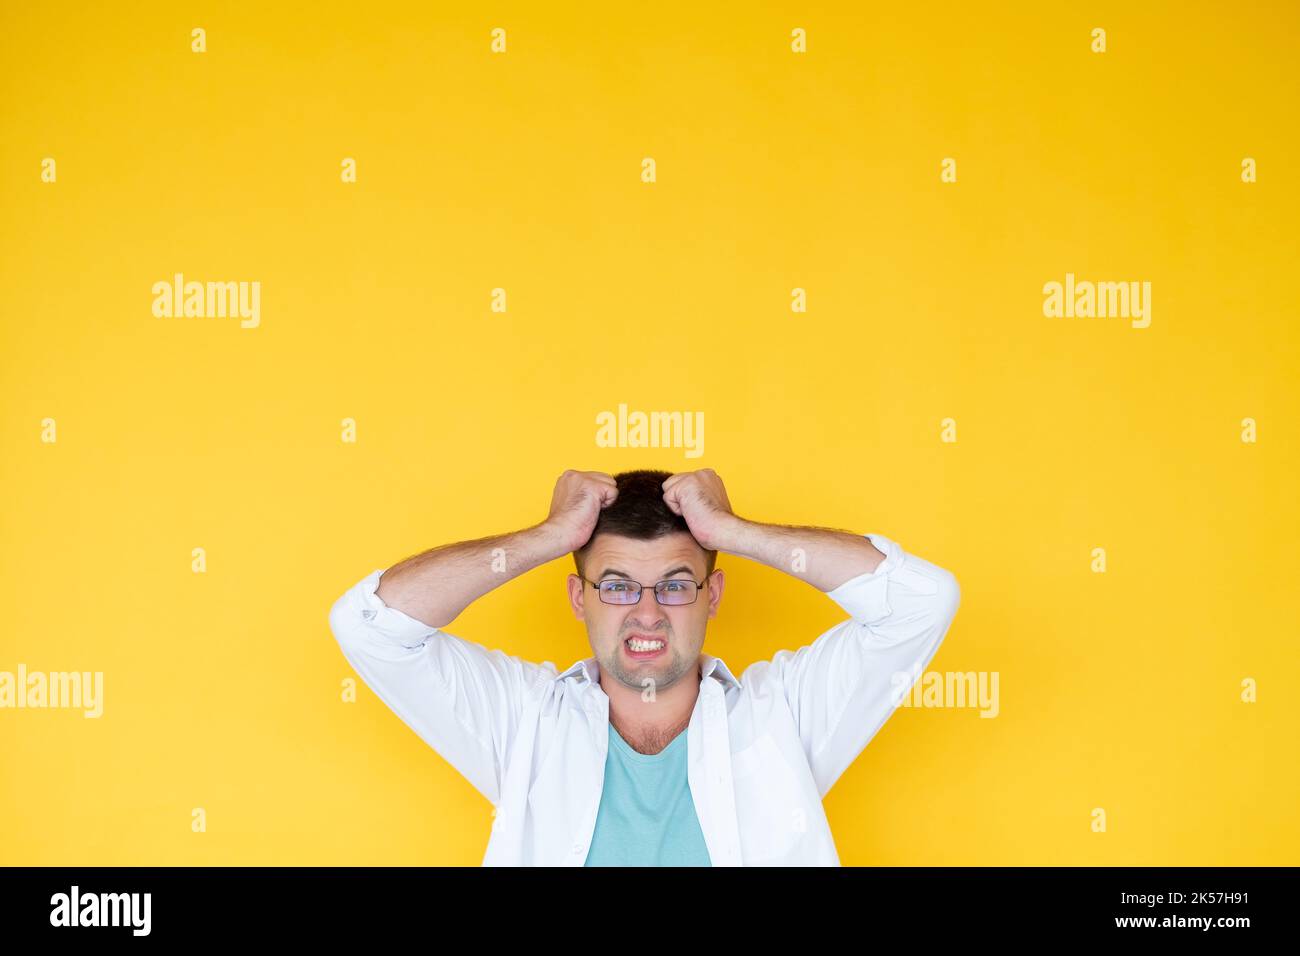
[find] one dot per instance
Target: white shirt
(762, 750)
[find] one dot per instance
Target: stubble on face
(659, 674)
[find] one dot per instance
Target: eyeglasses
(672, 592)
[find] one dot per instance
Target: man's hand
(700, 498)
(576, 504)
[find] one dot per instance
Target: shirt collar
(710, 666)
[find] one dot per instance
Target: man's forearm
(823, 557)
(435, 586)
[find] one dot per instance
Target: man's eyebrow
(678, 570)
(667, 574)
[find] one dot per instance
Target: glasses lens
(676, 592)
(620, 592)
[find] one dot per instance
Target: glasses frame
(640, 589)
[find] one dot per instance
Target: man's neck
(649, 726)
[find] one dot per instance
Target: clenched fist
(576, 504)
(700, 498)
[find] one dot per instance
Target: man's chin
(660, 673)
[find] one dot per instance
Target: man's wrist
(547, 541)
(732, 534)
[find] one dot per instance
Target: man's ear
(577, 596)
(716, 582)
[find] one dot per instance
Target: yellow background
(775, 171)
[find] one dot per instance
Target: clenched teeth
(639, 645)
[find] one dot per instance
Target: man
(650, 752)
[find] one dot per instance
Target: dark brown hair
(639, 512)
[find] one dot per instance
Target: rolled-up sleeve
(843, 686)
(461, 698)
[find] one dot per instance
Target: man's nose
(650, 615)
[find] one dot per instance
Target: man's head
(639, 538)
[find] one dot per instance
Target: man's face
(675, 557)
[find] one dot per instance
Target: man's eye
(617, 586)
(675, 586)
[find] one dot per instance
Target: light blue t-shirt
(646, 815)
